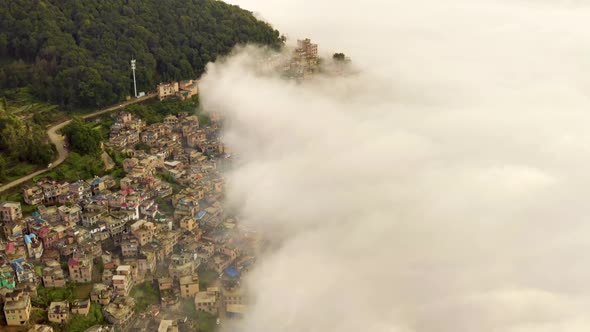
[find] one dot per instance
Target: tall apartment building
(305, 58)
(167, 89)
(10, 211)
(17, 308)
(207, 301)
(123, 280)
(80, 269)
(307, 49)
(120, 312)
(189, 286)
(53, 276)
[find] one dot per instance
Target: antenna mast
(134, 83)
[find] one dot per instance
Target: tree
(79, 323)
(81, 137)
(3, 167)
(339, 57)
(22, 141)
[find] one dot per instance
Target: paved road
(56, 138)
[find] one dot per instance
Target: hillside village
(154, 249)
(161, 227)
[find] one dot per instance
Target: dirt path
(58, 140)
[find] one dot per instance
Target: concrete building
(80, 269)
(14, 228)
(130, 247)
(10, 211)
(189, 286)
(101, 294)
(34, 246)
(143, 230)
(146, 262)
(166, 90)
(81, 307)
(207, 301)
(235, 310)
(33, 194)
(53, 275)
(305, 48)
(69, 213)
(123, 280)
(165, 283)
(305, 59)
(235, 296)
(187, 89)
(181, 265)
(17, 308)
(58, 312)
(120, 312)
(168, 326)
(189, 224)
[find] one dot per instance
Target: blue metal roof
(28, 238)
(232, 272)
(17, 267)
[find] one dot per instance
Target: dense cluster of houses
(118, 225)
(179, 144)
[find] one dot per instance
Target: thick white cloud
(443, 188)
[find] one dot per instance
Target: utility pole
(134, 83)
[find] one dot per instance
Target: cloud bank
(443, 188)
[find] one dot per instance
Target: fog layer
(443, 188)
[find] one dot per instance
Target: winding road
(58, 140)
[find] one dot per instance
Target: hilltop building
(182, 90)
(304, 60)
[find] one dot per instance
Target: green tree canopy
(76, 52)
(81, 137)
(23, 141)
(339, 56)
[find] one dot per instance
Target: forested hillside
(22, 142)
(75, 53)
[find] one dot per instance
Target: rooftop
(120, 308)
(9, 204)
(125, 268)
(41, 328)
(58, 307)
(189, 279)
(205, 297)
(236, 308)
(80, 304)
(21, 302)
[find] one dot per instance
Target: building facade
(17, 308)
(10, 211)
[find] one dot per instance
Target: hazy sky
(444, 188)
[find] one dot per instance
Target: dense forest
(21, 141)
(76, 53)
